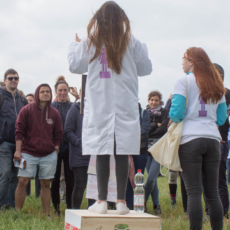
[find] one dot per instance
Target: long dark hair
(110, 27)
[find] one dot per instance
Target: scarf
(157, 109)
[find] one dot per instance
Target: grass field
(31, 217)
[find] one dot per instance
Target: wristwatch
(57, 150)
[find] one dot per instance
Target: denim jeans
(139, 163)
(200, 159)
(8, 174)
(151, 187)
(228, 169)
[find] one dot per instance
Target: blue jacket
(73, 131)
(168, 104)
(8, 114)
(63, 109)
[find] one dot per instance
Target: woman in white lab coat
(114, 59)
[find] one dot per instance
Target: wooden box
(85, 220)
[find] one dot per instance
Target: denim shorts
(47, 166)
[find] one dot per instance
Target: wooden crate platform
(85, 220)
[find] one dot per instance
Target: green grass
(31, 217)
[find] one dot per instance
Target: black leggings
(55, 186)
(103, 171)
(183, 193)
(200, 160)
(80, 181)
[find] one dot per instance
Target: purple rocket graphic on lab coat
(103, 61)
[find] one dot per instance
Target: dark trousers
(183, 193)
(80, 181)
(223, 188)
(55, 195)
(200, 160)
(139, 163)
(37, 186)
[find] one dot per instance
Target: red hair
(207, 77)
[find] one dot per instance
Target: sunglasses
(11, 78)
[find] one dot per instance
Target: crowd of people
(50, 133)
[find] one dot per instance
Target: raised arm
(78, 56)
(141, 59)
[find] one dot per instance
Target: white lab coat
(111, 104)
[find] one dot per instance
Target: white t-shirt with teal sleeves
(200, 119)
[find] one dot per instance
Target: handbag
(165, 151)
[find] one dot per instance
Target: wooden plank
(92, 223)
(112, 214)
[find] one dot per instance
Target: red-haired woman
(199, 151)
(114, 59)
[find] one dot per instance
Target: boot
(157, 209)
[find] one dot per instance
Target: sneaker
(57, 212)
(173, 204)
(185, 216)
(98, 208)
(226, 215)
(122, 209)
(157, 210)
(146, 209)
(206, 218)
(48, 217)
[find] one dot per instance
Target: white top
(200, 119)
(111, 100)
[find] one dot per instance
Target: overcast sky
(35, 35)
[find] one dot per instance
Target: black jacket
(145, 126)
(63, 109)
(8, 114)
(158, 117)
(73, 131)
(224, 128)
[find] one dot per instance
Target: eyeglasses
(184, 58)
(11, 78)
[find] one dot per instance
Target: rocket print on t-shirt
(202, 112)
(103, 60)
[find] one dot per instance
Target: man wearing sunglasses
(10, 105)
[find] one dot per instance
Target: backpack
(23, 100)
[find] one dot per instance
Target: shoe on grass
(206, 218)
(157, 210)
(122, 209)
(185, 216)
(173, 204)
(146, 209)
(98, 208)
(226, 215)
(57, 212)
